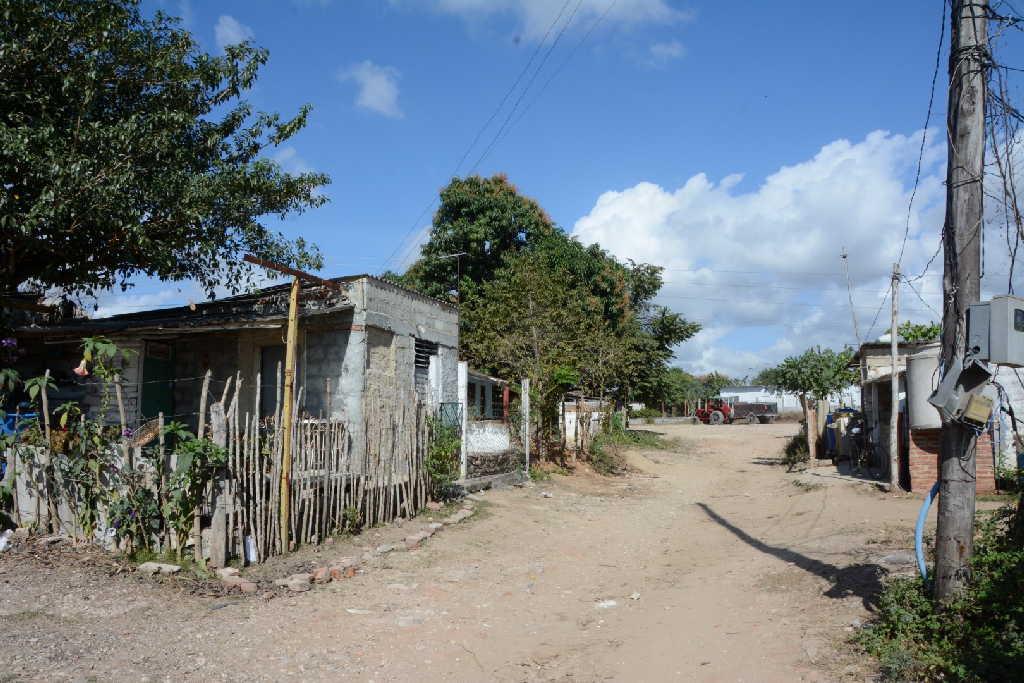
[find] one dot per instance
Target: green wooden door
(157, 380)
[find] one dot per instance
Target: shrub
(977, 637)
(442, 461)
(796, 452)
(539, 473)
(645, 413)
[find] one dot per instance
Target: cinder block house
(371, 336)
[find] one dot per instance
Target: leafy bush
(539, 473)
(977, 637)
(645, 413)
(442, 462)
(796, 452)
(1009, 478)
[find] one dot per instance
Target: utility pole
(288, 409)
(894, 414)
(849, 292)
(961, 281)
(290, 357)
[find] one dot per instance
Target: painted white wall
(787, 401)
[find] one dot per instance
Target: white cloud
(378, 87)
(666, 52)
(229, 31)
(761, 268)
(291, 160)
(535, 16)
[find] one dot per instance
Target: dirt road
(707, 564)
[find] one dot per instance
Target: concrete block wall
(409, 316)
(332, 350)
(924, 461)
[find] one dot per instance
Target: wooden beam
(270, 265)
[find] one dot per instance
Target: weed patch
(606, 451)
(796, 452)
(977, 637)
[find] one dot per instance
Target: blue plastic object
(9, 425)
(830, 434)
(919, 530)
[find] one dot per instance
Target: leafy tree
(814, 375)
(486, 219)
(919, 334)
(765, 378)
(527, 325)
(539, 304)
(126, 151)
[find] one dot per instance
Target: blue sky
(741, 145)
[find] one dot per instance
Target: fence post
(463, 389)
(524, 406)
(219, 526)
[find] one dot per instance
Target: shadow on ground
(861, 580)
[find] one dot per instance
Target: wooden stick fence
(344, 473)
(341, 474)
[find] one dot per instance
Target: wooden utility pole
(894, 414)
(288, 410)
(290, 353)
(961, 281)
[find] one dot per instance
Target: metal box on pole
(995, 331)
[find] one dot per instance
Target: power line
(505, 125)
(867, 335)
(476, 138)
(924, 132)
(914, 289)
(565, 62)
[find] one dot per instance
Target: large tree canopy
(125, 150)
(537, 303)
(485, 219)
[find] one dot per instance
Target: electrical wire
(914, 289)
(924, 131)
(402, 244)
(506, 125)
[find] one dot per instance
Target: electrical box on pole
(995, 331)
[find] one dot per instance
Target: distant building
(787, 402)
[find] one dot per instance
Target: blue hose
(919, 530)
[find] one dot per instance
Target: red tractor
(715, 412)
(725, 411)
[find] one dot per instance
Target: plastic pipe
(919, 530)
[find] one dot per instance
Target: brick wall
(924, 461)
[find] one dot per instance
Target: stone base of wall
(487, 464)
(494, 481)
(924, 461)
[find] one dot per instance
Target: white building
(787, 402)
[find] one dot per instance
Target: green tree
(919, 333)
(125, 151)
(609, 335)
(485, 219)
(527, 325)
(815, 375)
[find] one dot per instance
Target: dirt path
(708, 564)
